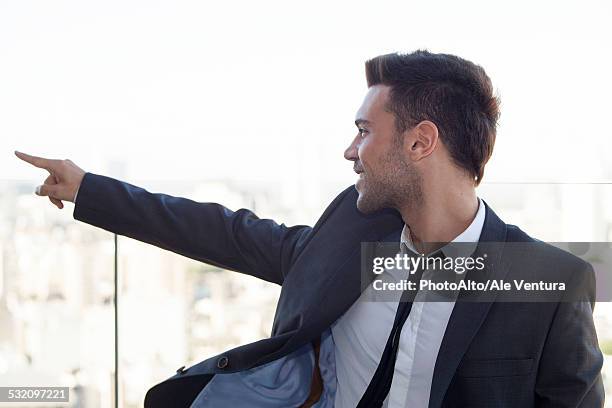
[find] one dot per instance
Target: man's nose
(351, 152)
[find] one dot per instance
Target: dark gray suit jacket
(493, 354)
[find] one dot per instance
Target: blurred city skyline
(56, 286)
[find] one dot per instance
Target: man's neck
(439, 218)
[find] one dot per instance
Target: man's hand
(64, 178)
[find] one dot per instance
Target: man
(426, 129)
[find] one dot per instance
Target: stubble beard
(398, 185)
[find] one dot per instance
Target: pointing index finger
(36, 161)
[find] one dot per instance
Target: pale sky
(268, 90)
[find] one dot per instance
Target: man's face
(386, 178)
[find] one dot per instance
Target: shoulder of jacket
(545, 249)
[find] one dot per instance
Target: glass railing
(59, 325)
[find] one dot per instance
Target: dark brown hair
(452, 92)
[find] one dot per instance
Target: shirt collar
(470, 234)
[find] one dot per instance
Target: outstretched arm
(208, 232)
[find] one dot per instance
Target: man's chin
(364, 205)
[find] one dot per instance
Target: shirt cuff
(77, 193)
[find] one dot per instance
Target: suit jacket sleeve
(570, 369)
(208, 232)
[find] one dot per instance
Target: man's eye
(362, 132)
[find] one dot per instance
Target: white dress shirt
(361, 333)
(76, 194)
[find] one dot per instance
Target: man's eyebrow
(360, 121)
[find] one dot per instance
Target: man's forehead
(373, 102)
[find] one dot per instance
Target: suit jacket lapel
(468, 315)
(345, 285)
(325, 280)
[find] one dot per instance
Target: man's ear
(421, 140)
